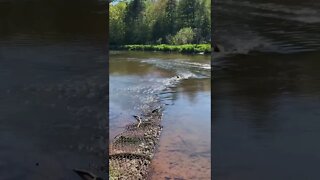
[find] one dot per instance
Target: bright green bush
(185, 48)
(183, 36)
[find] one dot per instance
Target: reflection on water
(53, 89)
(266, 90)
(182, 84)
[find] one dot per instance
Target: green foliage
(203, 22)
(134, 22)
(184, 36)
(186, 48)
(171, 16)
(186, 13)
(116, 22)
(160, 21)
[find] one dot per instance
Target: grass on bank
(186, 48)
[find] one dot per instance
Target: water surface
(53, 86)
(266, 90)
(144, 80)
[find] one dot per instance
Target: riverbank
(186, 48)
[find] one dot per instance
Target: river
(139, 80)
(266, 90)
(53, 92)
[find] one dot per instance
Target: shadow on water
(266, 90)
(53, 98)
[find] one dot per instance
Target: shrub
(185, 48)
(183, 36)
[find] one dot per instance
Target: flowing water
(141, 81)
(53, 89)
(266, 91)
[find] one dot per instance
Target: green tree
(157, 21)
(170, 16)
(116, 22)
(186, 13)
(184, 36)
(133, 21)
(202, 22)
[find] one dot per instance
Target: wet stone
(131, 151)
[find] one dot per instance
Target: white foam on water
(149, 93)
(176, 64)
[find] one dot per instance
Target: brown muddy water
(139, 80)
(266, 91)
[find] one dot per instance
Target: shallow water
(266, 90)
(53, 90)
(144, 80)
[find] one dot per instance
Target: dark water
(53, 84)
(142, 81)
(267, 90)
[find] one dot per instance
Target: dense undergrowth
(186, 48)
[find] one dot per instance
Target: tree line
(159, 22)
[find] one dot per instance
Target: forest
(155, 22)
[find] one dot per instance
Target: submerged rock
(132, 150)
